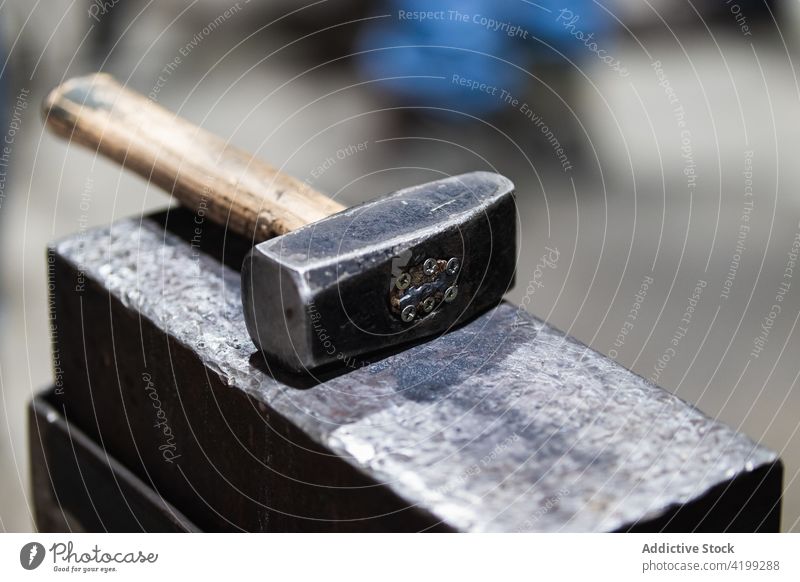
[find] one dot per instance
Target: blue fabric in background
(426, 38)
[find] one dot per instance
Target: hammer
(323, 283)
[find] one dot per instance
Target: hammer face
(406, 266)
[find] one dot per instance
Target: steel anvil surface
(503, 424)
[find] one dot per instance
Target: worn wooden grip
(200, 169)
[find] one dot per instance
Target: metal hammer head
(408, 265)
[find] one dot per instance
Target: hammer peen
(322, 283)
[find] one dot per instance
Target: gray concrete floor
(625, 213)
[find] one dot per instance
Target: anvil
(502, 424)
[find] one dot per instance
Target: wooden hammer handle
(200, 169)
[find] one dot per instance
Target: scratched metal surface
(504, 424)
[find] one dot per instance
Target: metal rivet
(409, 312)
(403, 281)
(451, 293)
(430, 266)
(428, 305)
(453, 266)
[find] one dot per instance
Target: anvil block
(77, 486)
(504, 424)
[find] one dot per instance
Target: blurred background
(652, 145)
